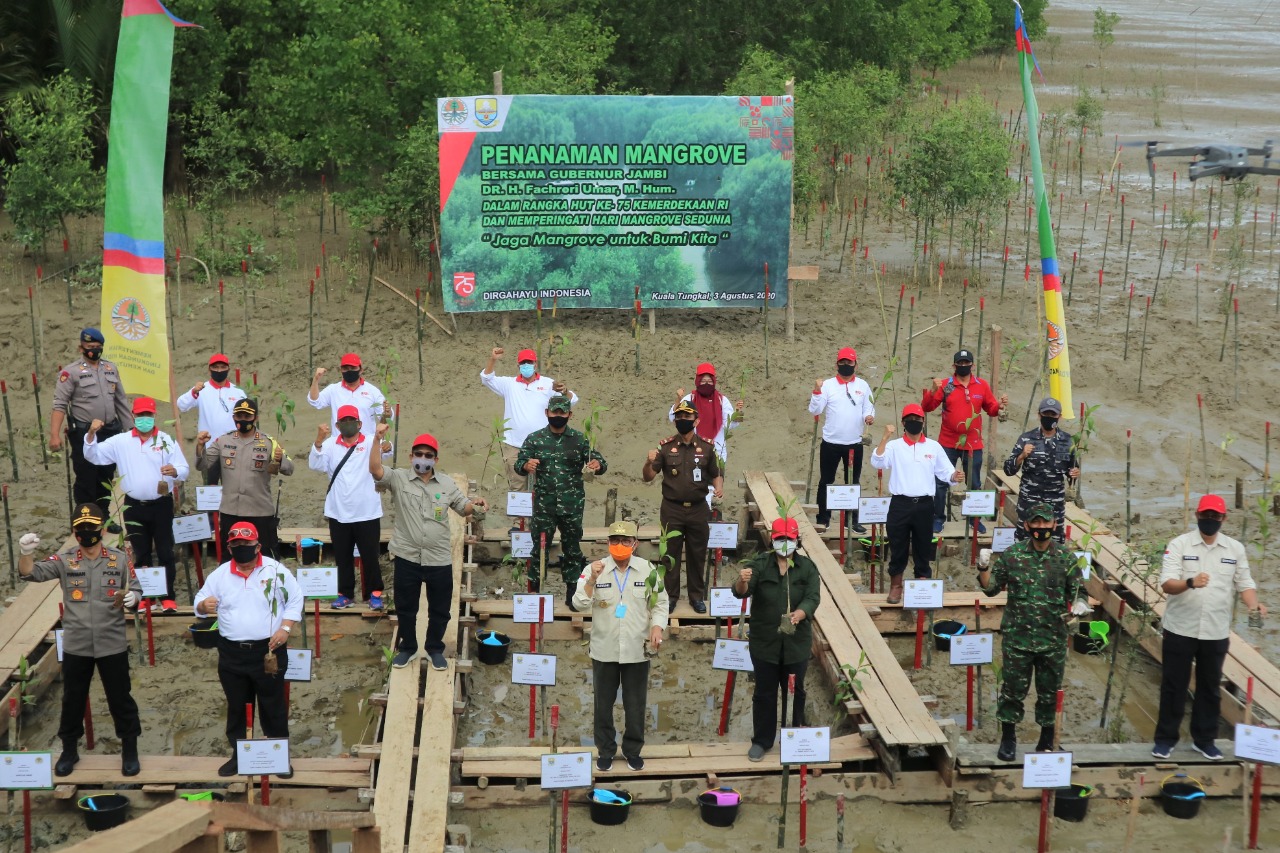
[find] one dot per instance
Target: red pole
(88, 725)
(728, 687)
(248, 719)
(973, 549)
(919, 636)
(804, 806)
(286, 696)
(316, 602)
(564, 821)
(151, 640)
(26, 822)
(265, 787)
(217, 537)
(1042, 845)
(968, 716)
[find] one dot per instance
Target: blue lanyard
(621, 585)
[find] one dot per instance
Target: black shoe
(1045, 744)
(229, 768)
(1008, 742)
(822, 521)
(671, 606)
(698, 605)
(635, 762)
(129, 764)
(857, 528)
(568, 599)
(67, 760)
(604, 763)
(288, 775)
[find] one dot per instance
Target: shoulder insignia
(64, 376)
(666, 440)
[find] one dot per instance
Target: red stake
(804, 806)
(265, 787)
(968, 717)
(151, 640)
(248, 719)
(88, 725)
(919, 636)
(564, 821)
(316, 601)
(26, 822)
(217, 537)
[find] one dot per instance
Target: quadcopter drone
(1229, 162)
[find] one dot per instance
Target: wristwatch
(286, 629)
(1191, 582)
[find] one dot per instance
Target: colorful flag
(133, 301)
(1055, 316)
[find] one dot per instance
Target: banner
(133, 304)
(582, 199)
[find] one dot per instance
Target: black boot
(1008, 742)
(67, 761)
(129, 765)
(1046, 739)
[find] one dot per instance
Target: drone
(1216, 160)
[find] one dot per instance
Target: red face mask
(706, 390)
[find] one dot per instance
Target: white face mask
(784, 547)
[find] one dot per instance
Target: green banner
(597, 202)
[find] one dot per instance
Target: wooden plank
(803, 273)
(246, 816)
(25, 624)
(950, 600)
(203, 770)
(843, 748)
(400, 722)
(159, 831)
(1112, 754)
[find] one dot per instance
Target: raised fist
(202, 437)
(653, 456)
(320, 371)
(497, 352)
(322, 432)
(744, 576)
(938, 384)
(28, 544)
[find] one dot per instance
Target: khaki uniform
(87, 391)
(687, 473)
(245, 463)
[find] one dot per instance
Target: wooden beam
(201, 770)
(399, 724)
(245, 816)
(25, 623)
(160, 831)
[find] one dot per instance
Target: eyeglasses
(622, 540)
(423, 455)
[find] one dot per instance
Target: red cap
(912, 409)
(427, 440)
(219, 357)
(350, 360)
(144, 404)
(526, 355)
(1212, 503)
(849, 353)
(348, 412)
(786, 528)
(242, 531)
(705, 367)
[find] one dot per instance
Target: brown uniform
(245, 463)
(688, 470)
(87, 391)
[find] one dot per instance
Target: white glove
(984, 557)
(1081, 608)
(131, 599)
(28, 544)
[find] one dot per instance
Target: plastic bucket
(943, 631)
(719, 806)
(610, 813)
(103, 811)
(1180, 795)
(1072, 803)
(1091, 637)
(204, 633)
(489, 652)
(311, 551)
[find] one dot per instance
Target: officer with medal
(95, 581)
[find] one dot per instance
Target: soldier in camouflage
(557, 455)
(1043, 580)
(1045, 458)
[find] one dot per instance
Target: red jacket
(962, 403)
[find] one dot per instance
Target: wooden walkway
(25, 633)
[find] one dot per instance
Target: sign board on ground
(319, 581)
(805, 745)
(922, 594)
(520, 504)
(873, 510)
(971, 649)
(191, 528)
(262, 757)
(723, 536)
(732, 654)
(1046, 770)
(981, 504)
(566, 770)
(529, 668)
(843, 497)
(724, 603)
(524, 608)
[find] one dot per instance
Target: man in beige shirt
(1201, 573)
(615, 591)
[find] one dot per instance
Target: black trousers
(93, 482)
(268, 532)
(770, 678)
(346, 537)
(972, 473)
(149, 526)
(910, 524)
(245, 682)
(829, 458)
(408, 582)
(1178, 653)
(634, 680)
(77, 672)
(694, 525)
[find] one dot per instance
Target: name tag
(604, 586)
(1231, 562)
(697, 475)
(1191, 558)
(638, 583)
(620, 611)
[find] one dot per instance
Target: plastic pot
(103, 811)
(1072, 803)
(943, 631)
(719, 806)
(1091, 637)
(610, 813)
(1180, 795)
(204, 633)
(490, 652)
(311, 551)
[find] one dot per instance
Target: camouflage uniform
(558, 495)
(1042, 588)
(1043, 477)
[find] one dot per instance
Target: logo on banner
(486, 111)
(454, 111)
(464, 283)
(131, 319)
(1055, 339)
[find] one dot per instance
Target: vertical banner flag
(133, 301)
(1055, 316)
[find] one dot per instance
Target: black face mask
(88, 538)
(93, 354)
(219, 375)
(913, 427)
(351, 377)
(684, 426)
(1209, 526)
(1041, 534)
(558, 421)
(845, 370)
(1048, 422)
(245, 427)
(964, 369)
(243, 553)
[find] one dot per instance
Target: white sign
(319, 582)
(1258, 743)
(524, 608)
(191, 528)
(843, 497)
(1086, 564)
(262, 757)
(57, 639)
(1046, 770)
(566, 770)
(723, 603)
(299, 665)
(971, 649)
(152, 581)
(521, 544)
(520, 503)
(209, 498)
(533, 669)
(1002, 538)
(805, 746)
(873, 510)
(732, 654)
(26, 771)
(922, 594)
(723, 536)
(982, 504)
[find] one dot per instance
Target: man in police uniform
(94, 579)
(89, 391)
(689, 470)
(247, 458)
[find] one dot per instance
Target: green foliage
(218, 151)
(284, 412)
(1104, 30)
(497, 431)
(850, 684)
(592, 425)
(1086, 111)
(658, 576)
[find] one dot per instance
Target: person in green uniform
(1043, 580)
(785, 590)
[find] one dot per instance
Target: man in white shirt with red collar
(525, 398)
(351, 391)
(213, 401)
(151, 464)
(915, 464)
(352, 505)
(257, 602)
(845, 401)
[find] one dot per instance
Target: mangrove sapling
(849, 686)
(1140, 568)
(592, 426)
(1223, 446)
(497, 432)
(1080, 444)
(664, 561)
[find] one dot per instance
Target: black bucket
(944, 630)
(489, 653)
(311, 549)
(103, 811)
(1088, 641)
(715, 814)
(609, 814)
(204, 632)
(1072, 803)
(1180, 795)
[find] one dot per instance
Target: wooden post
(506, 315)
(790, 311)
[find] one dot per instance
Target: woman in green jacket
(785, 590)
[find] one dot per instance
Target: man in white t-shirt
(351, 391)
(213, 401)
(525, 398)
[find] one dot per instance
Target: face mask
(964, 369)
(88, 538)
(845, 370)
(557, 421)
(1209, 526)
(423, 466)
(706, 390)
(784, 547)
(351, 377)
(93, 354)
(913, 427)
(684, 427)
(1048, 422)
(349, 430)
(144, 425)
(1041, 534)
(528, 369)
(620, 552)
(244, 553)
(245, 427)
(219, 375)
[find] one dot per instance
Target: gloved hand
(28, 543)
(131, 599)
(984, 558)
(1081, 608)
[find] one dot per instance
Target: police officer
(689, 470)
(247, 458)
(88, 391)
(94, 579)
(1043, 580)
(1045, 457)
